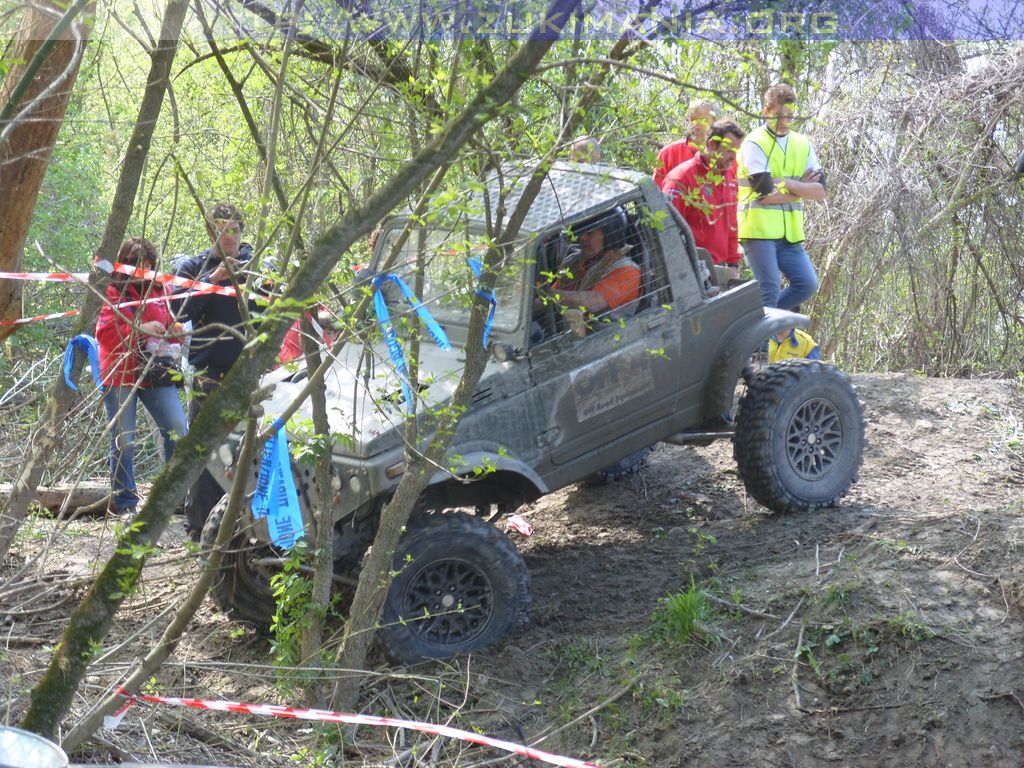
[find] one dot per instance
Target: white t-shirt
(753, 158)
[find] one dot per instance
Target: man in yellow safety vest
(777, 171)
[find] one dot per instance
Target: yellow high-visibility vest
(761, 221)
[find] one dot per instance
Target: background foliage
(916, 246)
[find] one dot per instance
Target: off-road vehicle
(558, 403)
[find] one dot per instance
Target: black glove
(762, 183)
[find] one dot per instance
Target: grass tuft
(683, 616)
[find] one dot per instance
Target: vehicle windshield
(448, 281)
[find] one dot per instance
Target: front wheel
(799, 438)
(461, 586)
(241, 588)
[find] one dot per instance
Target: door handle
(654, 322)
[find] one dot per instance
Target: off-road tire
(445, 561)
(240, 589)
(630, 465)
(799, 436)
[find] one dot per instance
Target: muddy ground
(886, 631)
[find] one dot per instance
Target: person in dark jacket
(217, 333)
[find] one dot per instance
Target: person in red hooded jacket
(701, 114)
(324, 325)
(703, 190)
(128, 336)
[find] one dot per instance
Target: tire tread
(236, 598)
(756, 428)
(401, 644)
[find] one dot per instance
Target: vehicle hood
(365, 404)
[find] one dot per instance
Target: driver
(603, 278)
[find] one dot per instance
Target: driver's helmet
(614, 223)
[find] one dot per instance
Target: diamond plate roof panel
(570, 192)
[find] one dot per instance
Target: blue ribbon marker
(387, 328)
(86, 344)
(276, 498)
(485, 294)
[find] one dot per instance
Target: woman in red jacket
(127, 338)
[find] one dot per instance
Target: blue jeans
(769, 257)
(164, 405)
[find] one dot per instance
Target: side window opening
(614, 254)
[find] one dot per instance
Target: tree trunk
(51, 699)
(376, 577)
(47, 438)
(322, 561)
(25, 153)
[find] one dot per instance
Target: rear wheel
(799, 436)
(630, 465)
(461, 586)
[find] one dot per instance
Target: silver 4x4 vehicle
(556, 405)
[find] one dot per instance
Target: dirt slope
(904, 601)
(887, 631)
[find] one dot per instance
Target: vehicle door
(617, 385)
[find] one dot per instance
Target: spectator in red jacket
(128, 337)
(701, 114)
(703, 190)
(324, 325)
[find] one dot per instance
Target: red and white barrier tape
(39, 318)
(125, 269)
(119, 305)
(164, 279)
(322, 715)
(47, 277)
(195, 286)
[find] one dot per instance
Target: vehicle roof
(570, 192)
